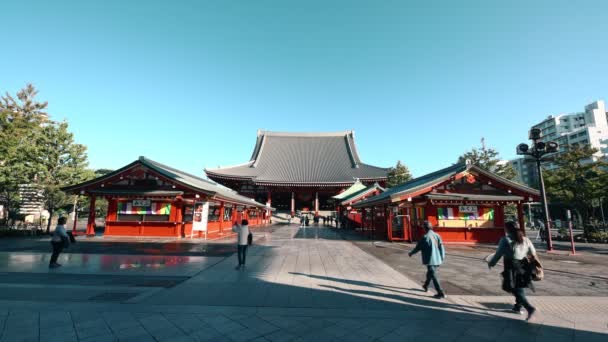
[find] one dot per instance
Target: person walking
(243, 233)
(433, 255)
(515, 248)
(59, 240)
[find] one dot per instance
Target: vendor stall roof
(183, 181)
(424, 185)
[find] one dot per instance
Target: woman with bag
(516, 249)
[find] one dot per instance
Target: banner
(200, 215)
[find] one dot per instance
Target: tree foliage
(398, 174)
(577, 181)
(20, 121)
(37, 152)
(488, 159)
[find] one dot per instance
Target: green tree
(577, 181)
(398, 174)
(64, 162)
(21, 121)
(488, 159)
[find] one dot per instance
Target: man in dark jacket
(433, 254)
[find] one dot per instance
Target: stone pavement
(299, 285)
(465, 271)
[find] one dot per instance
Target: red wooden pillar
(373, 223)
(317, 203)
(499, 216)
(91, 222)
(178, 217)
(430, 212)
(293, 204)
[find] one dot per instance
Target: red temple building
(299, 171)
(146, 198)
(464, 202)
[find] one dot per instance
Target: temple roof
(181, 178)
(362, 193)
(424, 185)
(302, 158)
(358, 186)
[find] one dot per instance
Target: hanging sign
(200, 215)
(141, 203)
(467, 208)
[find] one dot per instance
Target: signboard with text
(467, 209)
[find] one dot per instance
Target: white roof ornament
(468, 161)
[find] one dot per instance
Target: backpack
(250, 239)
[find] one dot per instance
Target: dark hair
(427, 225)
(514, 232)
(62, 220)
(245, 222)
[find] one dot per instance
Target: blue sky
(188, 83)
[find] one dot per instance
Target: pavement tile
(258, 325)
(242, 335)
(65, 337)
(100, 338)
(280, 336)
(227, 327)
(86, 333)
(206, 334)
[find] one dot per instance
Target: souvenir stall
(464, 203)
(146, 198)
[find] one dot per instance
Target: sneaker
(238, 267)
(440, 296)
(55, 265)
(517, 309)
(425, 288)
(531, 314)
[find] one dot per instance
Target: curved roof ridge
(305, 134)
(228, 167)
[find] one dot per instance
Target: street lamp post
(537, 150)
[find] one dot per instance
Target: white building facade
(585, 128)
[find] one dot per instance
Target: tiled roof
(353, 189)
(437, 177)
(363, 192)
(196, 183)
(310, 158)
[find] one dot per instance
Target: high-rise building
(584, 128)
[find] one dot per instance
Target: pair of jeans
(521, 300)
(431, 275)
(242, 254)
(57, 249)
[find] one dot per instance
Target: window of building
(214, 212)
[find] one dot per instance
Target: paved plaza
(300, 284)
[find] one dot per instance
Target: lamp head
(552, 146)
(540, 146)
(522, 148)
(535, 134)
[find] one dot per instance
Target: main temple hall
(299, 171)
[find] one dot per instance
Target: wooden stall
(146, 198)
(463, 202)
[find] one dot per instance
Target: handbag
(249, 239)
(535, 268)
